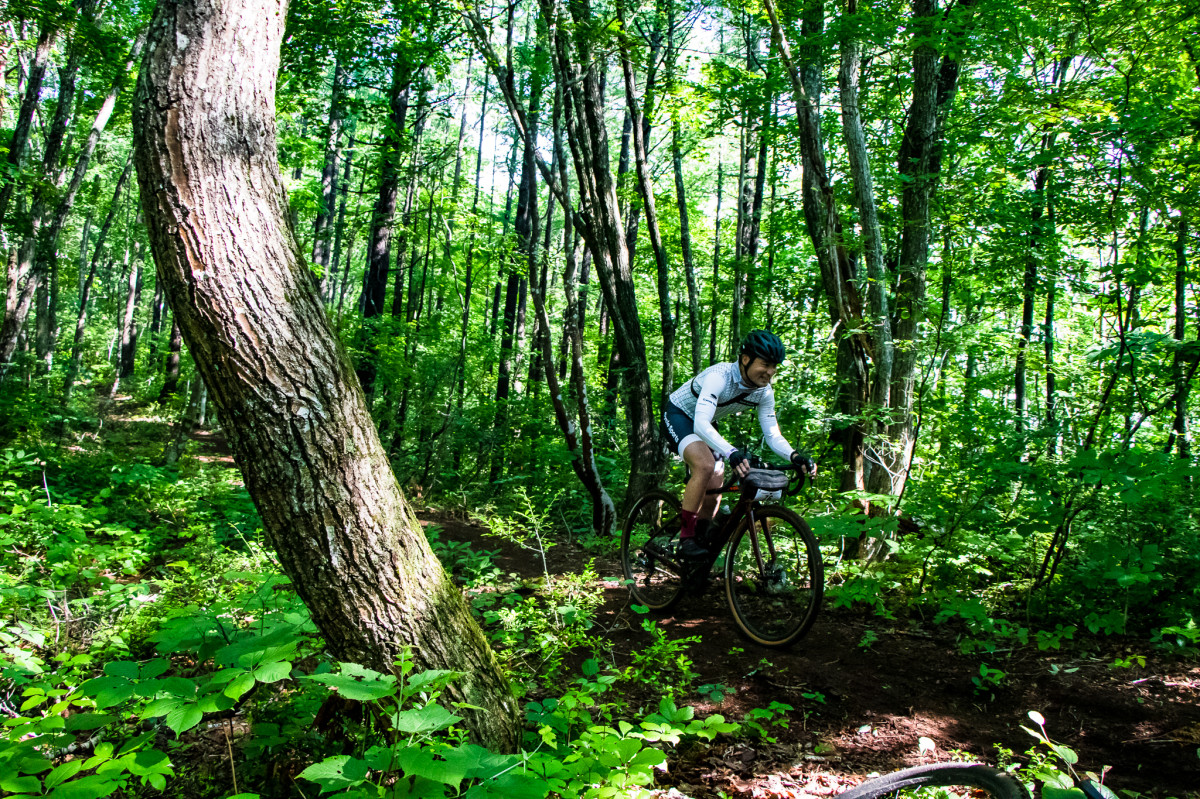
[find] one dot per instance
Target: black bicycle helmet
(763, 344)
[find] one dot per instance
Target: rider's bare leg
(706, 475)
(702, 466)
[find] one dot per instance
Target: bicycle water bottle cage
(764, 484)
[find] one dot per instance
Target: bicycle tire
(649, 543)
(996, 783)
(778, 608)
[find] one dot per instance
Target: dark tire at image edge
(650, 533)
(995, 783)
(777, 607)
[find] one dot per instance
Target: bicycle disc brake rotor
(777, 581)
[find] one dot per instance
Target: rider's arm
(770, 426)
(709, 385)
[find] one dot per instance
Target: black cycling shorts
(678, 428)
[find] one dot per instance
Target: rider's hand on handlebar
(805, 462)
(740, 462)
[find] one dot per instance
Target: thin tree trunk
(323, 225)
(379, 243)
(685, 244)
(469, 268)
(646, 188)
(406, 265)
(29, 102)
(716, 264)
(171, 372)
(296, 418)
(1034, 254)
(1048, 346)
(883, 353)
(1178, 438)
(45, 266)
(339, 232)
(577, 68)
(85, 291)
(129, 327)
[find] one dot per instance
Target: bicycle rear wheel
(994, 782)
(774, 577)
(649, 544)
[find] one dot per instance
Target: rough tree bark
(252, 317)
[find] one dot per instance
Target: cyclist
(720, 390)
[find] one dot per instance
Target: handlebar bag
(766, 483)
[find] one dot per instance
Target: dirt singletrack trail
(887, 684)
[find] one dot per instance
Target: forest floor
(885, 685)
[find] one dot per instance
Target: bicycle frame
(744, 509)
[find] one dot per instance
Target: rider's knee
(703, 468)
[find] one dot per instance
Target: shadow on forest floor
(909, 681)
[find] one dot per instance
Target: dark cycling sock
(689, 524)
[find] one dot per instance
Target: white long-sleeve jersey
(718, 392)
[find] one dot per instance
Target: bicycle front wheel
(774, 577)
(995, 783)
(649, 544)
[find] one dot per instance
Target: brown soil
(881, 697)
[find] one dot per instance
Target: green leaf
(421, 763)
(62, 773)
(107, 691)
(182, 719)
(155, 668)
(161, 707)
(359, 690)
(89, 787)
(16, 784)
(122, 668)
(428, 719)
(439, 677)
(178, 686)
(34, 765)
(241, 684)
(88, 721)
(515, 785)
(1037, 718)
(1066, 753)
(337, 773)
(273, 672)
(215, 703)
(1051, 792)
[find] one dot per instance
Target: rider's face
(758, 372)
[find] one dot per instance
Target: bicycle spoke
(648, 550)
(774, 577)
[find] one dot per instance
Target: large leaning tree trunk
(251, 314)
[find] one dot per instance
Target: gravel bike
(772, 569)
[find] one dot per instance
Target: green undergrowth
(149, 643)
(980, 556)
